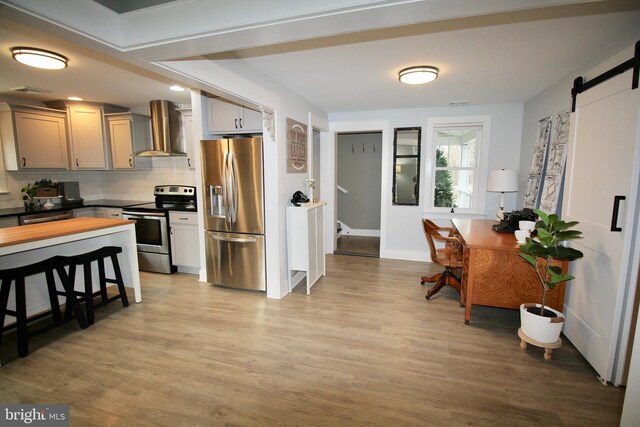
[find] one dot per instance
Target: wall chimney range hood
(166, 130)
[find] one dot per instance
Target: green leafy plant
(31, 191)
(548, 246)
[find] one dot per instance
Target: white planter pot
(540, 328)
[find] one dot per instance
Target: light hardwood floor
(364, 348)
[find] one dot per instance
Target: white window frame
(428, 184)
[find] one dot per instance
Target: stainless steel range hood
(166, 129)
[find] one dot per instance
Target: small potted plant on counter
(41, 188)
(540, 323)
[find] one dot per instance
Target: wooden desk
(493, 274)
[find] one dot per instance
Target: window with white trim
(457, 154)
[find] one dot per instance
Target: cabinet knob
(240, 120)
(188, 161)
(235, 121)
(77, 162)
(131, 162)
(24, 161)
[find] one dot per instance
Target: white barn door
(602, 164)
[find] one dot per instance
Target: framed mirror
(406, 166)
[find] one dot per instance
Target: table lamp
(502, 181)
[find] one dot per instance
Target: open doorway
(359, 179)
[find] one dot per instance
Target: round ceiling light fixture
(176, 88)
(418, 74)
(39, 58)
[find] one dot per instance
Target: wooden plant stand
(548, 347)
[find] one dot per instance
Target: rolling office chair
(450, 257)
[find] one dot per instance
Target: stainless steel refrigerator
(234, 219)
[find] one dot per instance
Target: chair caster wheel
(466, 322)
(427, 297)
(422, 282)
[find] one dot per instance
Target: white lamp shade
(503, 181)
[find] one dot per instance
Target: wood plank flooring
(364, 348)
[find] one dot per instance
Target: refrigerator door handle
(234, 176)
(233, 239)
(227, 190)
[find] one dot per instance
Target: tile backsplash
(121, 184)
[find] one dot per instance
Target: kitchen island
(31, 243)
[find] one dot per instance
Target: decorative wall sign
(531, 196)
(555, 164)
(296, 146)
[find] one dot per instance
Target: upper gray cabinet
(128, 133)
(33, 137)
(88, 146)
(189, 135)
(406, 166)
(228, 118)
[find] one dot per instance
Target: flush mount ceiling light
(418, 75)
(39, 58)
(176, 88)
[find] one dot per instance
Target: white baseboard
(362, 232)
(189, 270)
(406, 255)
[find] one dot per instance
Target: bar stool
(88, 294)
(17, 276)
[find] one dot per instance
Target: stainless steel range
(152, 225)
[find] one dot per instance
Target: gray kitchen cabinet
(88, 146)
(84, 213)
(8, 221)
(189, 135)
(185, 250)
(88, 150)
(225, 117)
(128, 133)
(112, 213)
(33, 137)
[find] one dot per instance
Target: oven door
(151, 231)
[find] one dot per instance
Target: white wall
(404, 237)
(555, 99)
(240, 81)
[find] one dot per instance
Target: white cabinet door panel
(42, 141)
(87, 136)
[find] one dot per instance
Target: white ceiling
(485, 57)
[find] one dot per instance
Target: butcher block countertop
(34, 232)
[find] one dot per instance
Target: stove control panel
(174, 190)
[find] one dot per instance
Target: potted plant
(29, 191)
(538, 322)
(41, 188)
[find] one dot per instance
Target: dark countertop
(104, 203)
